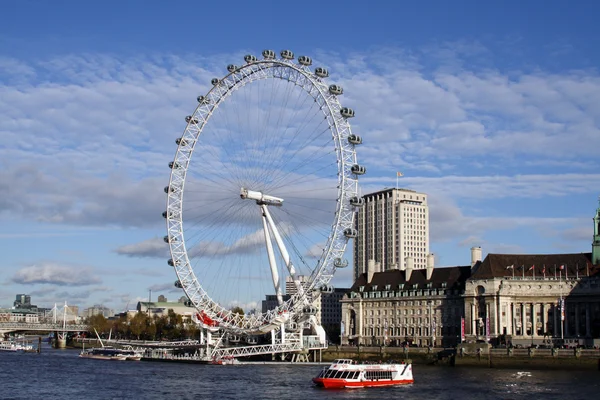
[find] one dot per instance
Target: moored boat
(346, 373)
(111, 353)
(8, 346)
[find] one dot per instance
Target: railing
(25, 326)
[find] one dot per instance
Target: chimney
(409, 268)
(370, 270)
(475, 255)
(430, 260)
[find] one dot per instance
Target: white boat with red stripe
(346, 373)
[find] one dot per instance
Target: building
(414, 306)
(330, 313)
(534, 299)
(97, 309)
(290, 286)
(160, 309)
(512, 299)
(270, 302)
(23, 302)
(392, 225)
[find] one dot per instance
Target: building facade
(395, 307)
(393, 225)
(534, 299)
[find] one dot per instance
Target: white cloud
(55, 274)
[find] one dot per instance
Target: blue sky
(491, 109)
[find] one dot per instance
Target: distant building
(290, 285)
(23, 302)
(330, 312)
(270, 302)
(96, 310)
(393, 226)
(162, 308)
(162, 299)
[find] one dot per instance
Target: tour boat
(111, 353)
(345, 373)
(8, 346)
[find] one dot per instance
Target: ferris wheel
(262, 194)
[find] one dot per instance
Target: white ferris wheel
(266, 204)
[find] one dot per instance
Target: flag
(530, 268)
(510, 266)
(399, 174)
(562, 267)
(544, 269)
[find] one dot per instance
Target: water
(60, 374)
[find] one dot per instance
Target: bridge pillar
(60, 340)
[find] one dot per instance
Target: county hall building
(503, 299)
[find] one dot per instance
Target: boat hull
(329, 383)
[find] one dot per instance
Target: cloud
(55, 274)
(155, 247)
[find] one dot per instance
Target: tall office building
(290, 286)
(392, 225)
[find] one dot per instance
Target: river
(60, 374)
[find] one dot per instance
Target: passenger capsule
(214, 81)
(336, 89)
(287, 54)
(167, 214)
(358, 169)
(232, 68)
(188, 303)
(166, 239)
(350, 233)
(354, 139)
(304, 60)
(202, 100)
(178, 284)
(321, 72)
(310, 310)
(357, 201)
(174, 165)
(172, 263)
(249, 58)
(347, 112)
(268, 54)
(169, 189)
(340, 263)
(191, 120)
(326, 289)
(181, 142)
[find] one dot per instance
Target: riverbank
(576, 359)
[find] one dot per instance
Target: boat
(15, 346)
(226, 360)
(111, 353)
(8, 346)
(126, 353)
(346, 373)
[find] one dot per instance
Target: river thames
(61, 374)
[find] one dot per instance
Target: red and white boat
(345, 373)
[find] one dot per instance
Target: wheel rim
(202, 197)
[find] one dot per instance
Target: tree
(238, 310)
(97, 323)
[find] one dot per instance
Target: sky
(491, 108)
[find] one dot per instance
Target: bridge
(6, 327)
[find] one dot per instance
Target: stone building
(518, 299)
(394, 307)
